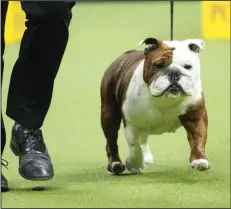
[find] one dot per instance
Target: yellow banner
(15, 22)
(215, 19)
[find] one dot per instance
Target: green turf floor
(99, 33)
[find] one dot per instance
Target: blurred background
(99, 32)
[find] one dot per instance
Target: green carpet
(98, 34)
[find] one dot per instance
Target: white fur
(135, 156)
(141, 42)
(147, 154)
(137, 170)
(146, 114)
(200, 164)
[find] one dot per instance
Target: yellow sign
(15, 23)
(215, 19)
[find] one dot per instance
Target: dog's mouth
(173, 89)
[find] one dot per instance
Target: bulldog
(154, 91)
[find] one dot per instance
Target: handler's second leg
(32, 80)
(4, 163)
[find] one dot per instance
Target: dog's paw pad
(136, 170)
(116, 167)
(200, 164)
(148, 159)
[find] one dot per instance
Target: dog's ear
(151, 44)
(195, 45)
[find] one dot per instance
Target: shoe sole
(36, 178)
(14, 150)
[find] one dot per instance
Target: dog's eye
(159, 64)
(187, 67)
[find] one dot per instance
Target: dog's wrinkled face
(172, 68)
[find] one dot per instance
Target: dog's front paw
(136, 170)
(148, 158)
(135, 166)
(116, 167)
(200, 164)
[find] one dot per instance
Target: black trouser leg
(41, 51)
(4, 6)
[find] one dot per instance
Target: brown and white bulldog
(154, 91)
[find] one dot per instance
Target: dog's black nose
(174, 75)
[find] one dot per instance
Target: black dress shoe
(34, 161)
(4, 183)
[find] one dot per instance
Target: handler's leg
(31, 86)
(4, 6)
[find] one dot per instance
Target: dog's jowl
(154, 91)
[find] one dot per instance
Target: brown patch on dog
(156, 61)
(113, 92)
(195, 122)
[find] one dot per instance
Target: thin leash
(171, 14)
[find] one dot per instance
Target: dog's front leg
(196, 125)
(147, 154)
(134, 161)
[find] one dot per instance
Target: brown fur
(195, 122)
(163, 55)
(113, 89)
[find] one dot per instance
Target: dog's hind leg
(110, 122)
(147, 154)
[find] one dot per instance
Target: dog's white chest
(140, 109)
(148, 119)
